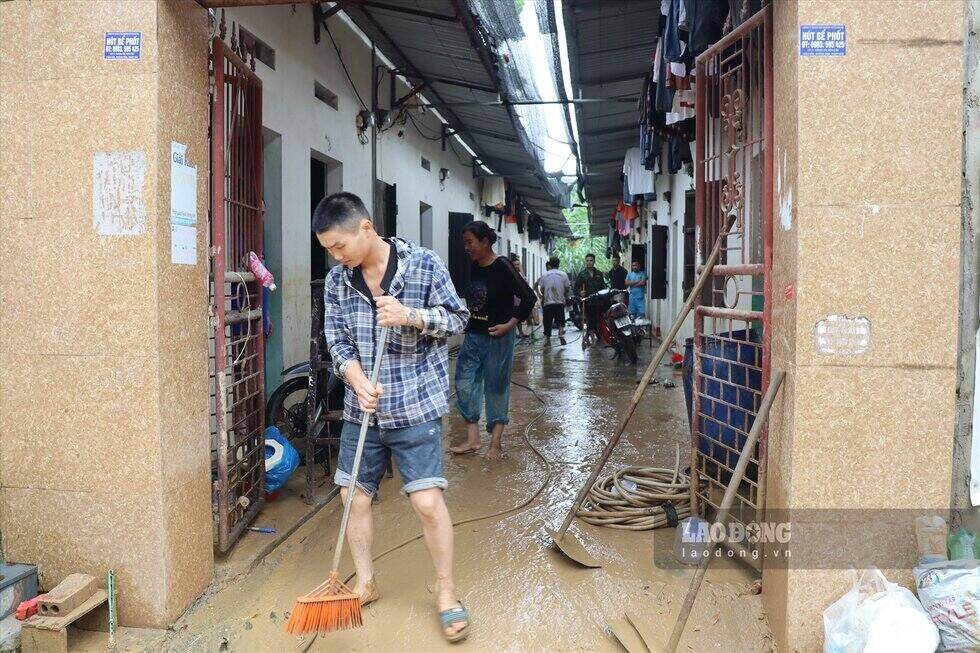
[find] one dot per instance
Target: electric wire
(343, 65)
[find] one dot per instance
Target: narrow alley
(522, 594)
(256, 253)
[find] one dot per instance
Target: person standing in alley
(617, 274)
(498, 298)
(554, 287)
(636, 281)
(392, 283)
(516, 261)
(589, 282)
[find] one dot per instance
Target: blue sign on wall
(122, 45)
(823, 41)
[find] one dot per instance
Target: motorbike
(616, 328)
(287, 411)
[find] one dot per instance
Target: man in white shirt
(553, 286)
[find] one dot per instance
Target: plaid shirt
(415, 367)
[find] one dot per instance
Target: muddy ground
(523, 595)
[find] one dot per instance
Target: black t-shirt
(617, 278)
(357, 277)
(491, 295)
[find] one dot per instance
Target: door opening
(385, 209)
(326, 178)
(425, 225)
(459, 261)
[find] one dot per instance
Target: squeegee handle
(356, 467)
(647, 376)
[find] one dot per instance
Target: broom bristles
(331, 606)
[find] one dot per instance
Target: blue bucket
(730, 386)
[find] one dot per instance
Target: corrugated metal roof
(610, 46)
(446, 51)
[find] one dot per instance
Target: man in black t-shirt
(617, 275)
(589, 282)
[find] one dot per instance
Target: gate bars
(732, 325)
(236, 229)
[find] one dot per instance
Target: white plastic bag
(950, 592)
(876, 616)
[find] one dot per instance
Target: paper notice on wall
(183, 207)
(117, 193)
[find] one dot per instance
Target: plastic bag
(950, 592)
(281, 459)
(877, 616)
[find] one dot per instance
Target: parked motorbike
(626, 335)
(616, 328)
(286, 408)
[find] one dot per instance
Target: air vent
(325, 95)
(426, 164)
(263, 52)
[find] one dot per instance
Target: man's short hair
(343, 210)
(591, 256)
(554, 262)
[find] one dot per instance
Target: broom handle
(647, 375)
(356, 467)
(724, 509)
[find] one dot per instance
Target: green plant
(572, 251)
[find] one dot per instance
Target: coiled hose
(639, 498)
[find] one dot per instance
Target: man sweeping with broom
(389, 307)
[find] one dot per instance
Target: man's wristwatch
(343, 369)
(413, 317)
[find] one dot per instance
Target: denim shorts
(417, 452)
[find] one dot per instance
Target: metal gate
(238, 387)
(732, 327)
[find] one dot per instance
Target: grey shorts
(417, 451)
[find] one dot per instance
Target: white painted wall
(663, 311)
(307, 126)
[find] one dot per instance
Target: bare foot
(495, 453)
(467, 447)
(446, 600)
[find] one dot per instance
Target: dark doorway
(318, 190)
(385, 209)
(326, 178)
(689, 255)
(658, 262)
(639, 255)
(459, 262)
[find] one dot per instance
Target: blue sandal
(453, 616)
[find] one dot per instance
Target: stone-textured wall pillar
(104, 439)
(867, 223)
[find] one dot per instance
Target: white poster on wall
(183, 207)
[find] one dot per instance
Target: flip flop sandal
(463, 453)
(370, 595)
(453, 616)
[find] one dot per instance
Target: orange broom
(332, 605)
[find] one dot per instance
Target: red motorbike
(616, 327)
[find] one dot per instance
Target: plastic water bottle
(261, 272)
(960, 543)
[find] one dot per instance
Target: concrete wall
(868, 224)
(308, 127)
(671, 214)
(103, 387)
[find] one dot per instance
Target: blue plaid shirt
(415, 368)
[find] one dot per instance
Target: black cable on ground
(500, 513)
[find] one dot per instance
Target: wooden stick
(726, 504)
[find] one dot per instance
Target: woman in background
(499, 299)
